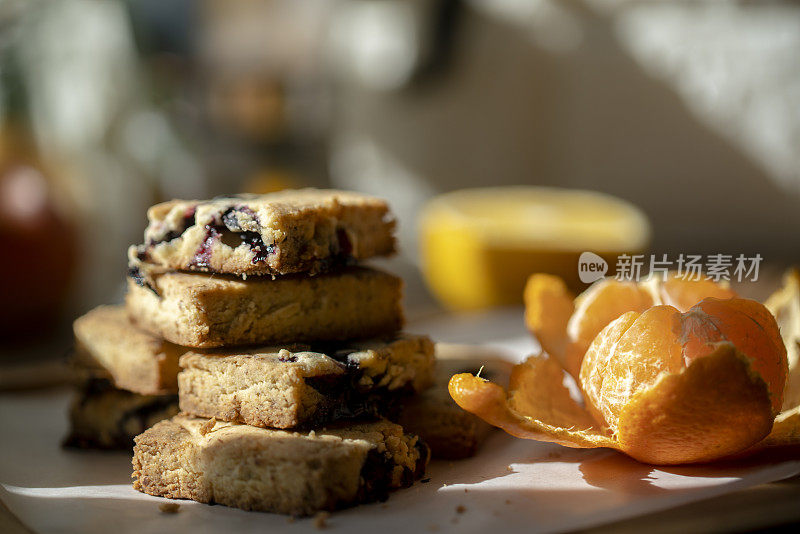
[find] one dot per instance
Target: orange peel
(662, 386)
(784, 304)
(538, 406)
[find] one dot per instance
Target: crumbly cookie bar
(451, 432)
(304, 386)
(290, 231)
(108, 344)
(202, 311)
(104, 417)
(275, 470)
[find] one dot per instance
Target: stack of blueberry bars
(285, 352)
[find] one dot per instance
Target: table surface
(767, 505)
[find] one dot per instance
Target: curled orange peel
(538, 405)
(653, 429)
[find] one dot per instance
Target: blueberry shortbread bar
(451, 432)
(304, 386)
(202, 311)
(108, 344)
(289, 231)
(104, 417)
(272, 470)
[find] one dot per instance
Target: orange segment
(685, 293)
(625, 362)
(599, 305)
(594, 369)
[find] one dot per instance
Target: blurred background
(688, 109)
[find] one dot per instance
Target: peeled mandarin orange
(640, 380)
(547, 300)
(663, 386)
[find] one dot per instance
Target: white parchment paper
(512, 485)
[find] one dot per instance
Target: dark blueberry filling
(376, 474)
(343, 356)
(288, 359)
(202, 257)
(424, 455)
(256, 244)
(186, 222)
(136, 275)
(230, 220)
(349, 400)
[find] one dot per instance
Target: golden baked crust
(275, 470)
(107, 344)
(305, 387)
(202, 311)
(289, 231)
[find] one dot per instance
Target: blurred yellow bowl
(478, 246)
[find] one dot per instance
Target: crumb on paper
(460, 509)
(169, 507)
(433, 528)
(206, 427)
(466, 490)
(509, 469)
(291, 519)
(321, 520)
(508, 501)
